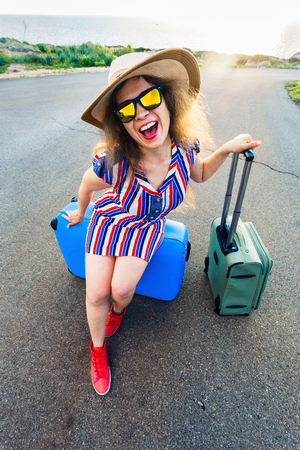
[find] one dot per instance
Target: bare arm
(203, 169)
(90, 183)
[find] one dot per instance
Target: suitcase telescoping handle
(240, 197)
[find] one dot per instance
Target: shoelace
(100, 365)
(113, 319)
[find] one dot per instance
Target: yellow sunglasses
(149, 99)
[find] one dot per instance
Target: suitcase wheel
(217, 305)
(188, 251)
(54, 224)
(206, 262)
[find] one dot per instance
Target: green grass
(93, 55)
(5, 62)
(63, 57)
(294, 90)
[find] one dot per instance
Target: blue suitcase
(163, 276)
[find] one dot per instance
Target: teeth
(149, 125)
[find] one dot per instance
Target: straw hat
(171, 64)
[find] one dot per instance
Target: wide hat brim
(170, 64)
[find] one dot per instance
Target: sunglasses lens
(126, 112)
(151, 99)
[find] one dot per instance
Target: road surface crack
(276, 170)
(73, 129)
(273, 168)
(255, 162)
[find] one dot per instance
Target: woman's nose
(141, 112)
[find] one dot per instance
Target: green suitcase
(238, 264)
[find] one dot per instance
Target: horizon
(232, 14)
(153, 49)
(229, 31)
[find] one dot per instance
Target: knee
(122, 292)
(96, 298)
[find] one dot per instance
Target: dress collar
(142, 179)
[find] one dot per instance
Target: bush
(108, 59)
(99, 64)
(294, 60)
(17, 59)
(242, 60)
(49, 60)
(84, 49)
(61, 57)
(86, 61)
(259, 58)
(32, 59)
(123, 50)
(142, 49)
(42, 48)
(4, 60)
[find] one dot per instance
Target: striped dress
(129, 218)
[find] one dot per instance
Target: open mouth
(149, 130)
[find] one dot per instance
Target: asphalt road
(183, 377)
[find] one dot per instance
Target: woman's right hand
(73, 217)
(90, 183)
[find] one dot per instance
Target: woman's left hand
(203, 169)
(240, 143)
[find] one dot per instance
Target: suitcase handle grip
(249, 154)
(240, 197)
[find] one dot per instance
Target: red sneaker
(113, 322)
(100, 370)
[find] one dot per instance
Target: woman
(151, 122)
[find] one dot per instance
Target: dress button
(157, 211)
(151, 217)
(99, 164)
(158, 200)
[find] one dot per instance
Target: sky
(240, 13)
(223, 22)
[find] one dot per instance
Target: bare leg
(105, 276)
(99, 271)
(127, 273)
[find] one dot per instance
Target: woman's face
(150, 129)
